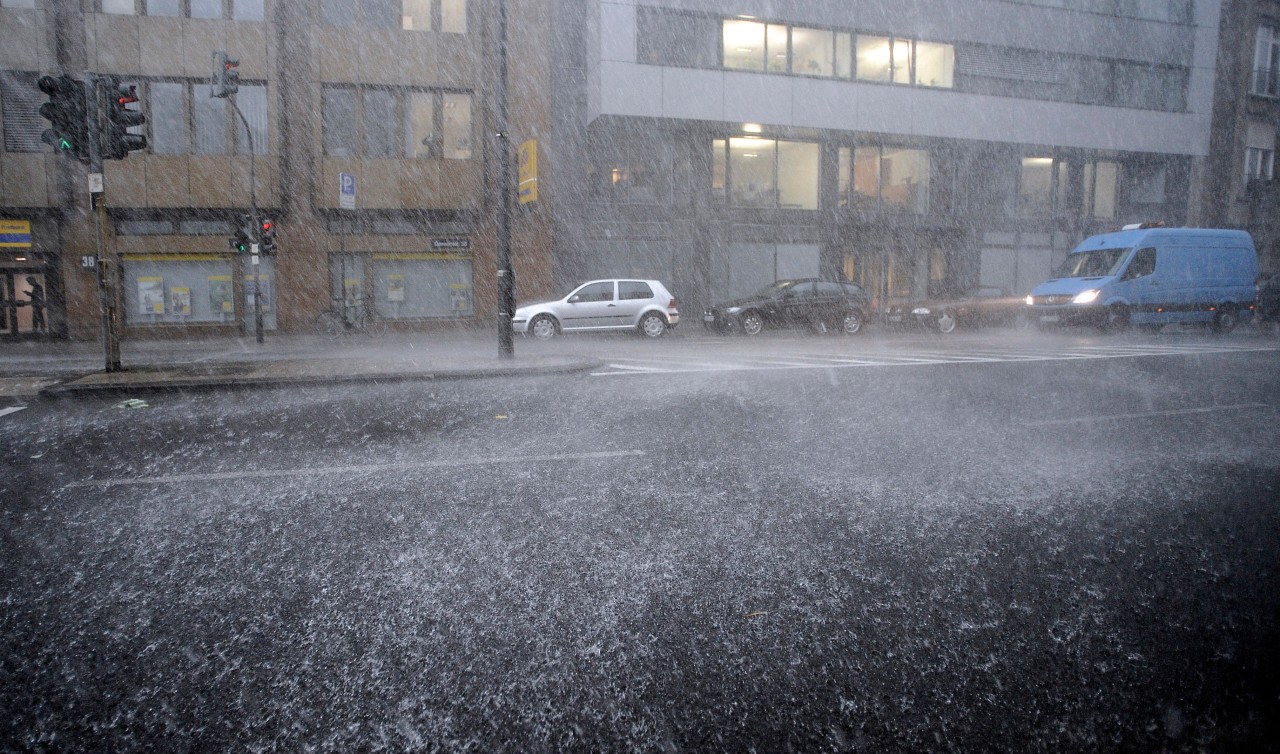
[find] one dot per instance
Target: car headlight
(1085, 297)
(733, 310)
(920, 310)
(1030, 301)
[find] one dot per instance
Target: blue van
(1150, 277)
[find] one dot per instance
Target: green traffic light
(65, 145)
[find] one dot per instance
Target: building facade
(392, 95)
(1240, 189)
(908, 147)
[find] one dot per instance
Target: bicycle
(343, 318)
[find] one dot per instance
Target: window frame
(406, 145)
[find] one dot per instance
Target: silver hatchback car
(642, 305)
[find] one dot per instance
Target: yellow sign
(15, 234)
(528, 172)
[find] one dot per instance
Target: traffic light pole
(257, 224)
(106, 285)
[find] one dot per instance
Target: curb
(252, 376)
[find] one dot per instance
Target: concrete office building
(390, 93)
(1240, 188)
(906, 146)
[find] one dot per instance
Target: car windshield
(1092, 264)
(775, 290)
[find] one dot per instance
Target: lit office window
(935, 65)
(887, 178)
(812, 52)
(416, 15)
(751, 172)
(744, 47)
(767, 173)
(420, 131)
(1100, 181)
(457, 126)
(1035, 186)
(798, 166)
(453, 16)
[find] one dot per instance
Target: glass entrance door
(23, 303)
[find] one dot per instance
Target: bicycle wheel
(329, 324)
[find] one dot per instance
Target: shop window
(414, 286)
(885, 178)
(177, 289)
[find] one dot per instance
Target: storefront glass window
(904, 180)
(408, 286)
(186, 289)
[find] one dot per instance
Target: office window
(744, 47)
(1035, 186)
(1259, 164)
(1146, 184)
(413, 15)
(206, 8)
(935, 65)
(211, 121)
(391, 123)
(812, 51)
(884, 178)
(421, 128)
(164, 7)
(767, 173)
(635, 169)
(665, 37)
(457, 126)
(248, 10)
(121, 7)
(21, 101)
(167, 117)
(1266, 62)
(382, 131)
(1100, 180)
(252, 99)
(17, 3)
(338, 119)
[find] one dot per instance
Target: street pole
(106, 286)
(257, 225)
(506, 276)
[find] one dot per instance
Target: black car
(821, 305)
(1268, 303)
(977, 307)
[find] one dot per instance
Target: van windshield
(1092, 264)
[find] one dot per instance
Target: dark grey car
(821, 305)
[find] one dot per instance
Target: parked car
(824, 306)
(642, 305)
(985, 305)
(1268, 298)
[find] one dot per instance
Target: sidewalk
(70, 369)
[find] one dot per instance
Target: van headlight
(1086, 297)
(1030, 300)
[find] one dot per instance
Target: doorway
(24, 304)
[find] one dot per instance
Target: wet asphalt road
(1012, 556)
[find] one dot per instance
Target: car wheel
(543, 327)
(1117, 319)
(1225, 320)
(852, 323)
(653, 325)
(752, 323)
(946, 322)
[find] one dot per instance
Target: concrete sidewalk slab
(306, 371)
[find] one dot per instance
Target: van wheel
(1225, 320)
(1117, 319)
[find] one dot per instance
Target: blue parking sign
(346, 191)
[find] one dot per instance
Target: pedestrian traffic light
(117, 142)
(268, 237)
(65, 112)
(226, 75)
(245, 237)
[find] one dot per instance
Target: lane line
(11, 410)
(367, 469)
(1145, 414)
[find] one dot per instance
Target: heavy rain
(474, 375)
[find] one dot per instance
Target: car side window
(801, 290)
(595, 292)
(853, 289)
(829, 290)
(632, 290)
(1144, 263)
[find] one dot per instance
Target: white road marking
(1144, 414)
(770, 362)
(11, 410)
(367, 469)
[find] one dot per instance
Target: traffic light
(245, 237)
(226, 75)
(117, 142)
(65, 112)
(267, 238)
